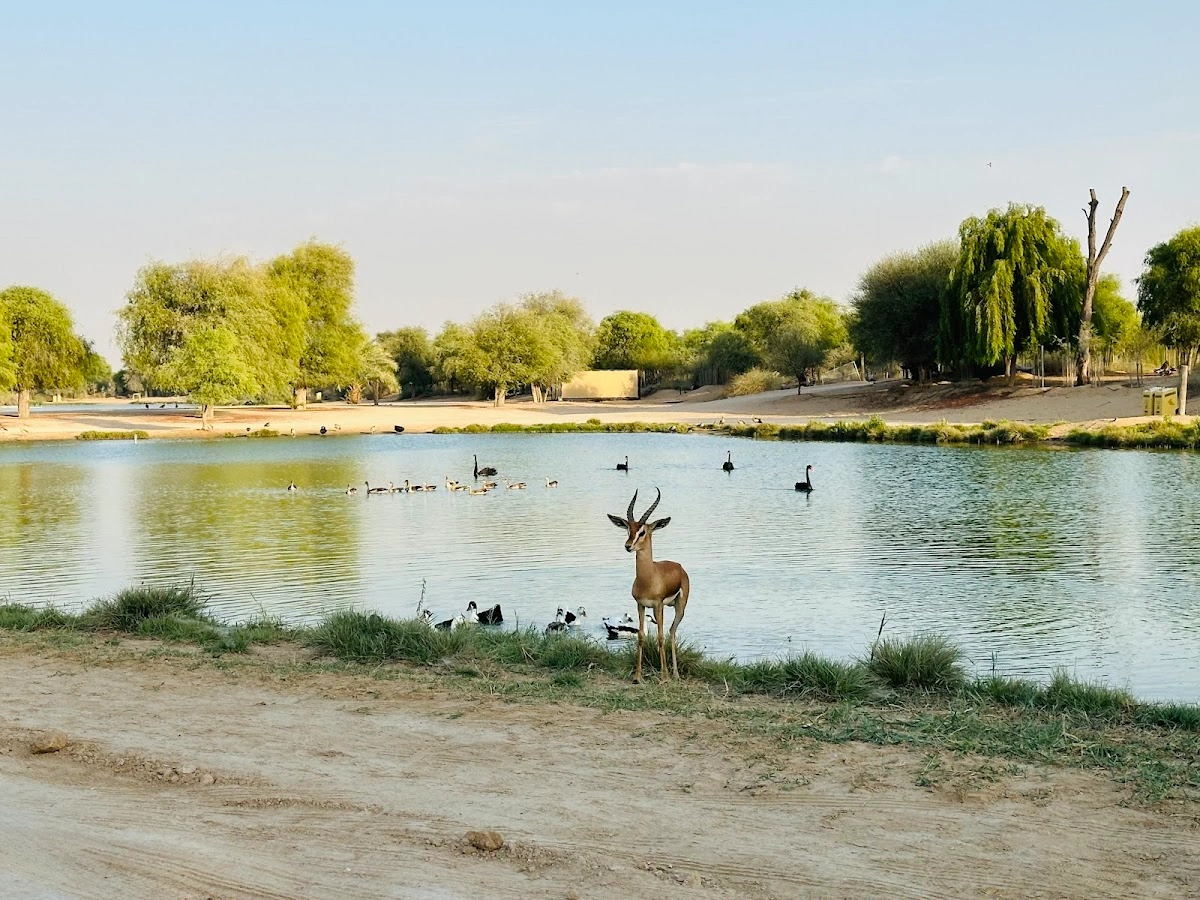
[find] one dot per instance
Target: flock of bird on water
(564, 620)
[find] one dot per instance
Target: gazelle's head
(639, 530)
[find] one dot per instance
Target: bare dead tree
(1083, 362)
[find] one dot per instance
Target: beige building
(620, 384)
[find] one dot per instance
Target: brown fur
(656, 585)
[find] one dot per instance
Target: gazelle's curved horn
(629, 512)
(646, 515)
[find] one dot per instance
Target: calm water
(1032, 559)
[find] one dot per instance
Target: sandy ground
(184, 779)
(893, 401)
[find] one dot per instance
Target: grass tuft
(129, 608)
(111, 435)
(927, 662)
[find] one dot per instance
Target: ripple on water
(1031, 559)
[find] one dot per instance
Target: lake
(1031, 559)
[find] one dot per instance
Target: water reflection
(1079, 559)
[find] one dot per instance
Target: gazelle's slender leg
(637, 672)
(662, 650)
(674, 625)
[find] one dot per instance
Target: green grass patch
(1158, 434)
(128, 609)
(927, 662)
(112, 435)
(908, 691)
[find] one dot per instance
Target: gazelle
(655, 584)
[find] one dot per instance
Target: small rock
(50, 742)
(207, 778)
(187, 770)
(488, 841)
(572, 895)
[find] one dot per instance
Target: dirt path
(340, 786)
(1113, 401)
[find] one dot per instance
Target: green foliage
(754, 381)
(807, 675)
(635, 340)
(797, 334)
(209, 366)
(1018, 282)
(926, 662)
(375, 368)
(1169, 289)
(898, 307)
(94, 370)
(129, 608)
(1159, 433)
(1114, 319)
(312, 291)
(413, 353)
(721, 348)
(539, 342)
(39, 349)
(111, 435)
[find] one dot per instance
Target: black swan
(486, 470)
(805, 486)
(728, 464)
(623, 467)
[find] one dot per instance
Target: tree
(634, 340)
(796, 334)
(456, 358)
(312, 290)
(1114, 319)
(1095, 259)
(170, 303)
(167, 303)
(414, 356)
(720, 348)
(210, 367)
(898, 307)
(510, 350)
(568, 332)
(96, 373)
(1018, 282)
(1169, 291)
(43, 350)
(376, 370)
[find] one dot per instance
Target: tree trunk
(1183, 377)
(1010, 369)
(300, 398)
(206, 413)
(499, 398)
(23, 395)
(1083, 362)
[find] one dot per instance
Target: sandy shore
(894, 402)
(252, 780)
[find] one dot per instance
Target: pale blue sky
(683, 158)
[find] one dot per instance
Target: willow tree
(1169, 291)
(315, 284)
(42, 350)
(1018, 282)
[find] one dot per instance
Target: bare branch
(1112, 226)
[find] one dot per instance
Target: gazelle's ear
(618, 521)
(661, 523)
